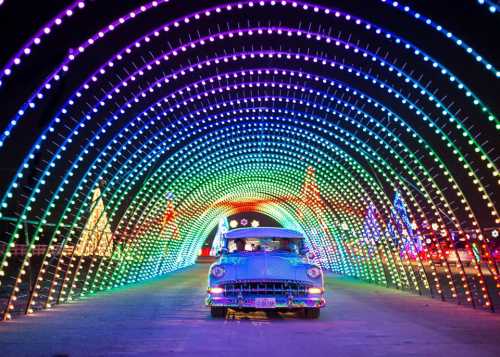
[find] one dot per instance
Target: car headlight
(218, 271)
(314, 272)
(315, 291)
(216, 290)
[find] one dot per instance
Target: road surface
(166, 317)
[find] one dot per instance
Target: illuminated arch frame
(490, 118)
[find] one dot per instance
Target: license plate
(265, 303)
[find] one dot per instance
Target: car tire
(218, 312)
(312, 313)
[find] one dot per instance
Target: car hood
(263, 266)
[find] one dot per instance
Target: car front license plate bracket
(265, 303)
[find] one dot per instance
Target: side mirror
(304, 251)
(223, 251)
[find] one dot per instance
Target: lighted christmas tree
(400, 226)
(97, 238)
(217, 244)
(372, 232)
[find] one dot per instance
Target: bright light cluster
(492, 6)
(358, 138)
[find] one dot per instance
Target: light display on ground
(147, 135)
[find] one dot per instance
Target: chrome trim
(284, 288)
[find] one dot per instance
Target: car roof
(263, 232)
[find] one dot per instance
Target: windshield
(285, 245)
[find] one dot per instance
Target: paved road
(166, 317)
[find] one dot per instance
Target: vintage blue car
(265, 268)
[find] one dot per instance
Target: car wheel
(312, 313)
(218, 312)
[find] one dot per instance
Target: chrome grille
(265, 288)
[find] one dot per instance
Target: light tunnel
(129, 129)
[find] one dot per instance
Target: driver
(285, 245)
(240, 245)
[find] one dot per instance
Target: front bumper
(286, 302)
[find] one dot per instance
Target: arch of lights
(340, 128)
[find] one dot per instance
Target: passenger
(285, 245)
(240, 245)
